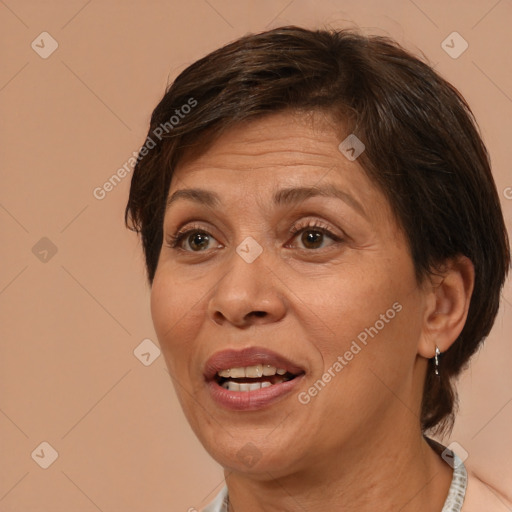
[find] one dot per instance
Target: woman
(326, 249)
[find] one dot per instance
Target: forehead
(285, 150)
(285, 138)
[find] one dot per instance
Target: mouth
(251, 378)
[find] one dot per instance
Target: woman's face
(320, 285)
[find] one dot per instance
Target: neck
(399, 471)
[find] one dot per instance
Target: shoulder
(481, 495)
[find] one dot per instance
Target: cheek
(351, 303)
(371, 319)
(175, 318)
(369, 360)
(161, 303)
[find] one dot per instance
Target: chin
(246, 454)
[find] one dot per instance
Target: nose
(247, 294)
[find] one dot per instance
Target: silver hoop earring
(436, 360)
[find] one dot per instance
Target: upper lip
(250, 356)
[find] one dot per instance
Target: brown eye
(313, 235)
(312, 238)
(198, 240)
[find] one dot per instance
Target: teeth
(235, 386)
(251, 371)
(254, 371)
(235, 373)
(269, 370)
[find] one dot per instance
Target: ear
(447, 299)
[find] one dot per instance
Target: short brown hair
(423, 150)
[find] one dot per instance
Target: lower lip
(252, 400)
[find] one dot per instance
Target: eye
(313, 234)
(196, 237)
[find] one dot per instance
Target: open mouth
(252, 378)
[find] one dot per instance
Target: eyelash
(174, 240)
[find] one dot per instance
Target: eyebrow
(285, 196)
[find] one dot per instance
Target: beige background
(70, 321)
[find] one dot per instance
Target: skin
(358, 442)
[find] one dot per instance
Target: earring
(436, 360)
